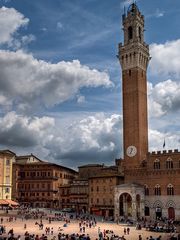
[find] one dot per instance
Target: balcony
(38, 190)
(35, 178)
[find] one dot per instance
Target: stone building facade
(76, 194)
(93, 190)
(101, 193)
(36, 182)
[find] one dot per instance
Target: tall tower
(134, 57)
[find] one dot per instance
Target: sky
(60, 79)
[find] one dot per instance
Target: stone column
(116, 206)
(134, 209)
(142, 206)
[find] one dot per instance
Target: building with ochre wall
(6, 161)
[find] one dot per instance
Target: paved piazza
(73, 227)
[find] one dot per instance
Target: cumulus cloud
(80, 99)
(28, 81)
(10, 21)
(92, 139)
(165, 60)
(21, 131)
(156, 140)
(164, 97)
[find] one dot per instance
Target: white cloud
(27, 39)
(165, 59)
(22, 131)
(164, 97)
(59, 25)
(159, 13)
(92, 139)
(10, 21)
(156, 140)
(80, 99)
(28, 81)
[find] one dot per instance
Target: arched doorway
(125, 205)
(158, 212)
(128, 201)
(171, 213)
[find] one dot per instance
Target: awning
(8, 202)
(3, 202)
(11, 202)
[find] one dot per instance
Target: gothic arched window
(130, 33)
(170, 189)
(157, 190)
(157, 164)
(169, 163)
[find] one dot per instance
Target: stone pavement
(73, 227)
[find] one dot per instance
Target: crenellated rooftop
(164, 152)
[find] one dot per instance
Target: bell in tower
(134, 57)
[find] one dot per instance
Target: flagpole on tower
(164, 144)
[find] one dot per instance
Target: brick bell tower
(134, 57)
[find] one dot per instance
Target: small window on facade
(97, 200)
(157, 190)
(170, 190)
(97, 189)
(169, 163)
(157, 164)
(6, 190)
(129, 72)
(7, 162)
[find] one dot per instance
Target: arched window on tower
(157, 190)
(169, 163)
(157, 164)
(146, 190)
(170, 189)
(130, 33)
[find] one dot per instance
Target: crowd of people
(44, 229)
